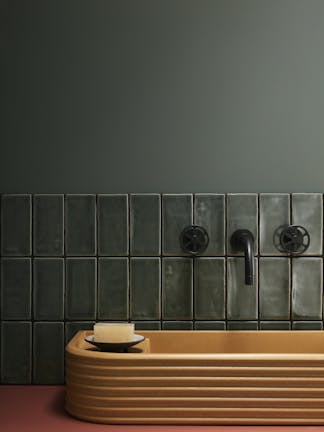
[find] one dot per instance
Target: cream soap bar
(113, 332)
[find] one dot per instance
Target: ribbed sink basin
(200, 377)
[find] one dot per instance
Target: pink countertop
(41, 409)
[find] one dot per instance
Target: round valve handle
(293, 239)
(194, 239)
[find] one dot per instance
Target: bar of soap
(113, 332)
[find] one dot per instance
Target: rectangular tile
(209, 288)
(15, 289)
(177, 325)
(72, 327)
(275, 325)
(307, 288)
(307, 211)
(16, 352)
(210, 325)
(48, 353)
(176, 215)
(177, 292)
(145, 224)
(274, 213)
(48, 290)
(307, 325)
(242, 325)
(242, 213)
(16, 225)
(274, 288)
(242, 300)
(113, 225)
(81, 289)
(209, 212)
(147, 325)
(80, 225)
(145, 291)
(48, 223)
(113, 289)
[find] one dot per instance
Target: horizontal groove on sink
(197, 381)
(200, 421)
(200, 412)
(193, 371)
(190, 401)
(296, 392)
(265, 361)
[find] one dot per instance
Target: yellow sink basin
(200, 377)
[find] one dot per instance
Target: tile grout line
(31, 266)
(64, 278)
(193, 264)
(257, 275)
(97, 258)
(161, 258)
(290, 262)
(225, 262)
(129, 309)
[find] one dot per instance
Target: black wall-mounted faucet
(243, 240)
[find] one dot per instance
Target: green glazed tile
(113, 225)
(80, 225)
(113, 289)
(177, 288)
(16, 288)
(307, 211)
(275, 325)
(209, 212)
(48, 225)
(147, 325)
(242, 325)
(274, 213)
(176, 215)
(209, 288)
(210, 325)
(72, 327)
(145, 224)
(242, 213)
(307, 325)
(242, 300)
(48, 353)
(274, 288)
(145, 276)
(16, 225)
(16, 352)
(307, 288)
(80, 302)
(48, 288)
(177, 325)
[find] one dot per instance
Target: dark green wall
(155, 96)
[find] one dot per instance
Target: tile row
(154, 288)
(27, 356)
(150, 224)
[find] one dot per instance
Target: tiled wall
(70, 260)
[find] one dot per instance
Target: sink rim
(74, 350)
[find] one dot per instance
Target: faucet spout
(243, 240)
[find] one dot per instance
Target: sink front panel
(207, 377)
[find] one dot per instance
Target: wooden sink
(200, 377)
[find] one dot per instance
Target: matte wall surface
(161, 96)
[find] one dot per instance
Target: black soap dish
(115, 346)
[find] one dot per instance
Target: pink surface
(41, 408)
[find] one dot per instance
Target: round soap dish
(114, 346)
